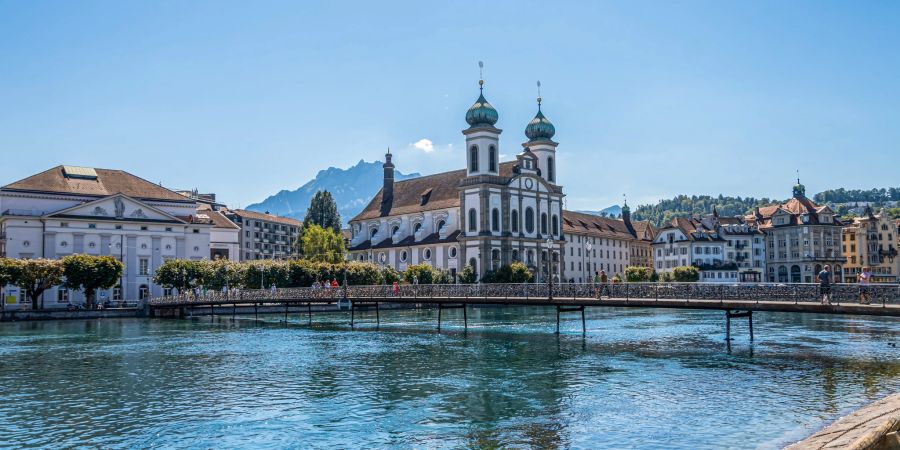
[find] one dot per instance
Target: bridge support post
(562, 309)
(233, 311)
(309, 311)
(212, 312)
(377, 315)
(285, 311)
(465, 318)
(352, 314)
(736, 314)
(255, 311)
(750, 323)
(440, 308)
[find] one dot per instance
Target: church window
(473, 226)
(515, 255)
(495, 220)
(492, 164)
(529, 220)
(514, 219)
(394, 230)
(543, 223)
(417, 227)
(473, 159)
(555, 225)
(373, 232)
(551, 176)
(441, 225)
(453, 252)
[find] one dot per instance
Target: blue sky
(651, 99)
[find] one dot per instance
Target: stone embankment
(873, 427)
(14, 316)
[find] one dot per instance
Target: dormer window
(373, 232)
(417, 227)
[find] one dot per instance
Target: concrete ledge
(15, 316)
(872, 427)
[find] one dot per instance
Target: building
(694, 242)
(869, 241)
(595, 243)
(224, 236)
(265, 236)
(67, 210)
(801, 238)
(485, 215)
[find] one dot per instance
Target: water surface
(639, 378)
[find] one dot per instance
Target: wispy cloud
(425, 145)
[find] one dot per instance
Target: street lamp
(588, 246)
(550, 267)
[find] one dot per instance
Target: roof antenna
(481, 75)
(539, 94)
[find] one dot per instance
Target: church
(485, 215)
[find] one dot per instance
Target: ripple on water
(638, 378)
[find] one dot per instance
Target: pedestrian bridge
(736, 300)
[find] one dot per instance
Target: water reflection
(638, 378)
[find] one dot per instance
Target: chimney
(387, 192)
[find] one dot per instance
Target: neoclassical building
(485, 215)
(801, 238)
(67, 210)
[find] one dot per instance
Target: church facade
(485, 215)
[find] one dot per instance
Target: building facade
(595, 243)
(486, 215)
(693, 242)
(68, 210)
(801, 238)
(265, 236)
(869, 241)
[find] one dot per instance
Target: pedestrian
(824, 279)
(596, 282)
(396, 288)
(334, 283)
(604, 284)
(864, 278)
(272, 290)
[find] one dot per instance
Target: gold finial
(798, 176)
(480, 75)
(539, 94)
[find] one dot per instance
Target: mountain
(351, 188)
(612, 211)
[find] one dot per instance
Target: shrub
(421, 273)
(467, 275)
(637, 274)
(686, 274)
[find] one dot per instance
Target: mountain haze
(351, 188)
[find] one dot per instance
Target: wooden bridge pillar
(442, 307)
(736, 314)
(562, 309)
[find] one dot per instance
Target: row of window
(514, 221)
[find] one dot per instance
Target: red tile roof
(108, 182)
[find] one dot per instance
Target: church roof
(93, 182)
(795, 207)
(427, 193)
(409, 241)
(592, 225)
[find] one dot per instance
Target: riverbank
(116, 313)
(872, 427)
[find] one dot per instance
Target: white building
(595, 243)
(68, 210)
(686, 242)
(486, 215)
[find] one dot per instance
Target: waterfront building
(693, 242)
(801, 237)
(224, 236)
(485, 215)
(869, 241)
(595, 243)
(264, 235)
(67, 210)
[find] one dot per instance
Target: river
(639, 378)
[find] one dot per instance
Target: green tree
(467, 275)
(9, 271)
(686, 274)
(36, 276)
(89, 273)
(323, 212)
(421, 273)
(638, 274)
(322, 244)
(389, 275)
(181, 274)
(264, 273)
(222, 273)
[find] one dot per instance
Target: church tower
(540, 132)
(482, 137)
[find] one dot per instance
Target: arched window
(495, 220)
(473, 226)
(555, 225)
(394, 230)
(441, 225)
(515, 255)
(143, 292)
(514, 221)
(529, 220)
(373, 232)
(795, 274)
(474, 264)
(543, 223)
(492, 163)
(551, 175)
(495, 259)
(473, 159)
(417, 227)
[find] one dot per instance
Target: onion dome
(482, 113)
(540, 128)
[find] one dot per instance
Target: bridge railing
(768, 292)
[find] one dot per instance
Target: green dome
(481, 113)
(540, 128)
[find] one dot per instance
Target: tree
(637, 274)
(181, 274)
(686, 274)
(420, 273)
(322, 244)
(36, 276)
(9, 271)
(89, 272)
(323, 212)
(221, 273)
(512, 273)
(467, 275)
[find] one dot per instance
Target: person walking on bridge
(604, 284)
(864, 278)
(824, 279)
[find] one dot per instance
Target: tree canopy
(322, 244)
(323, 212)
(89, 272)
(36, 276)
